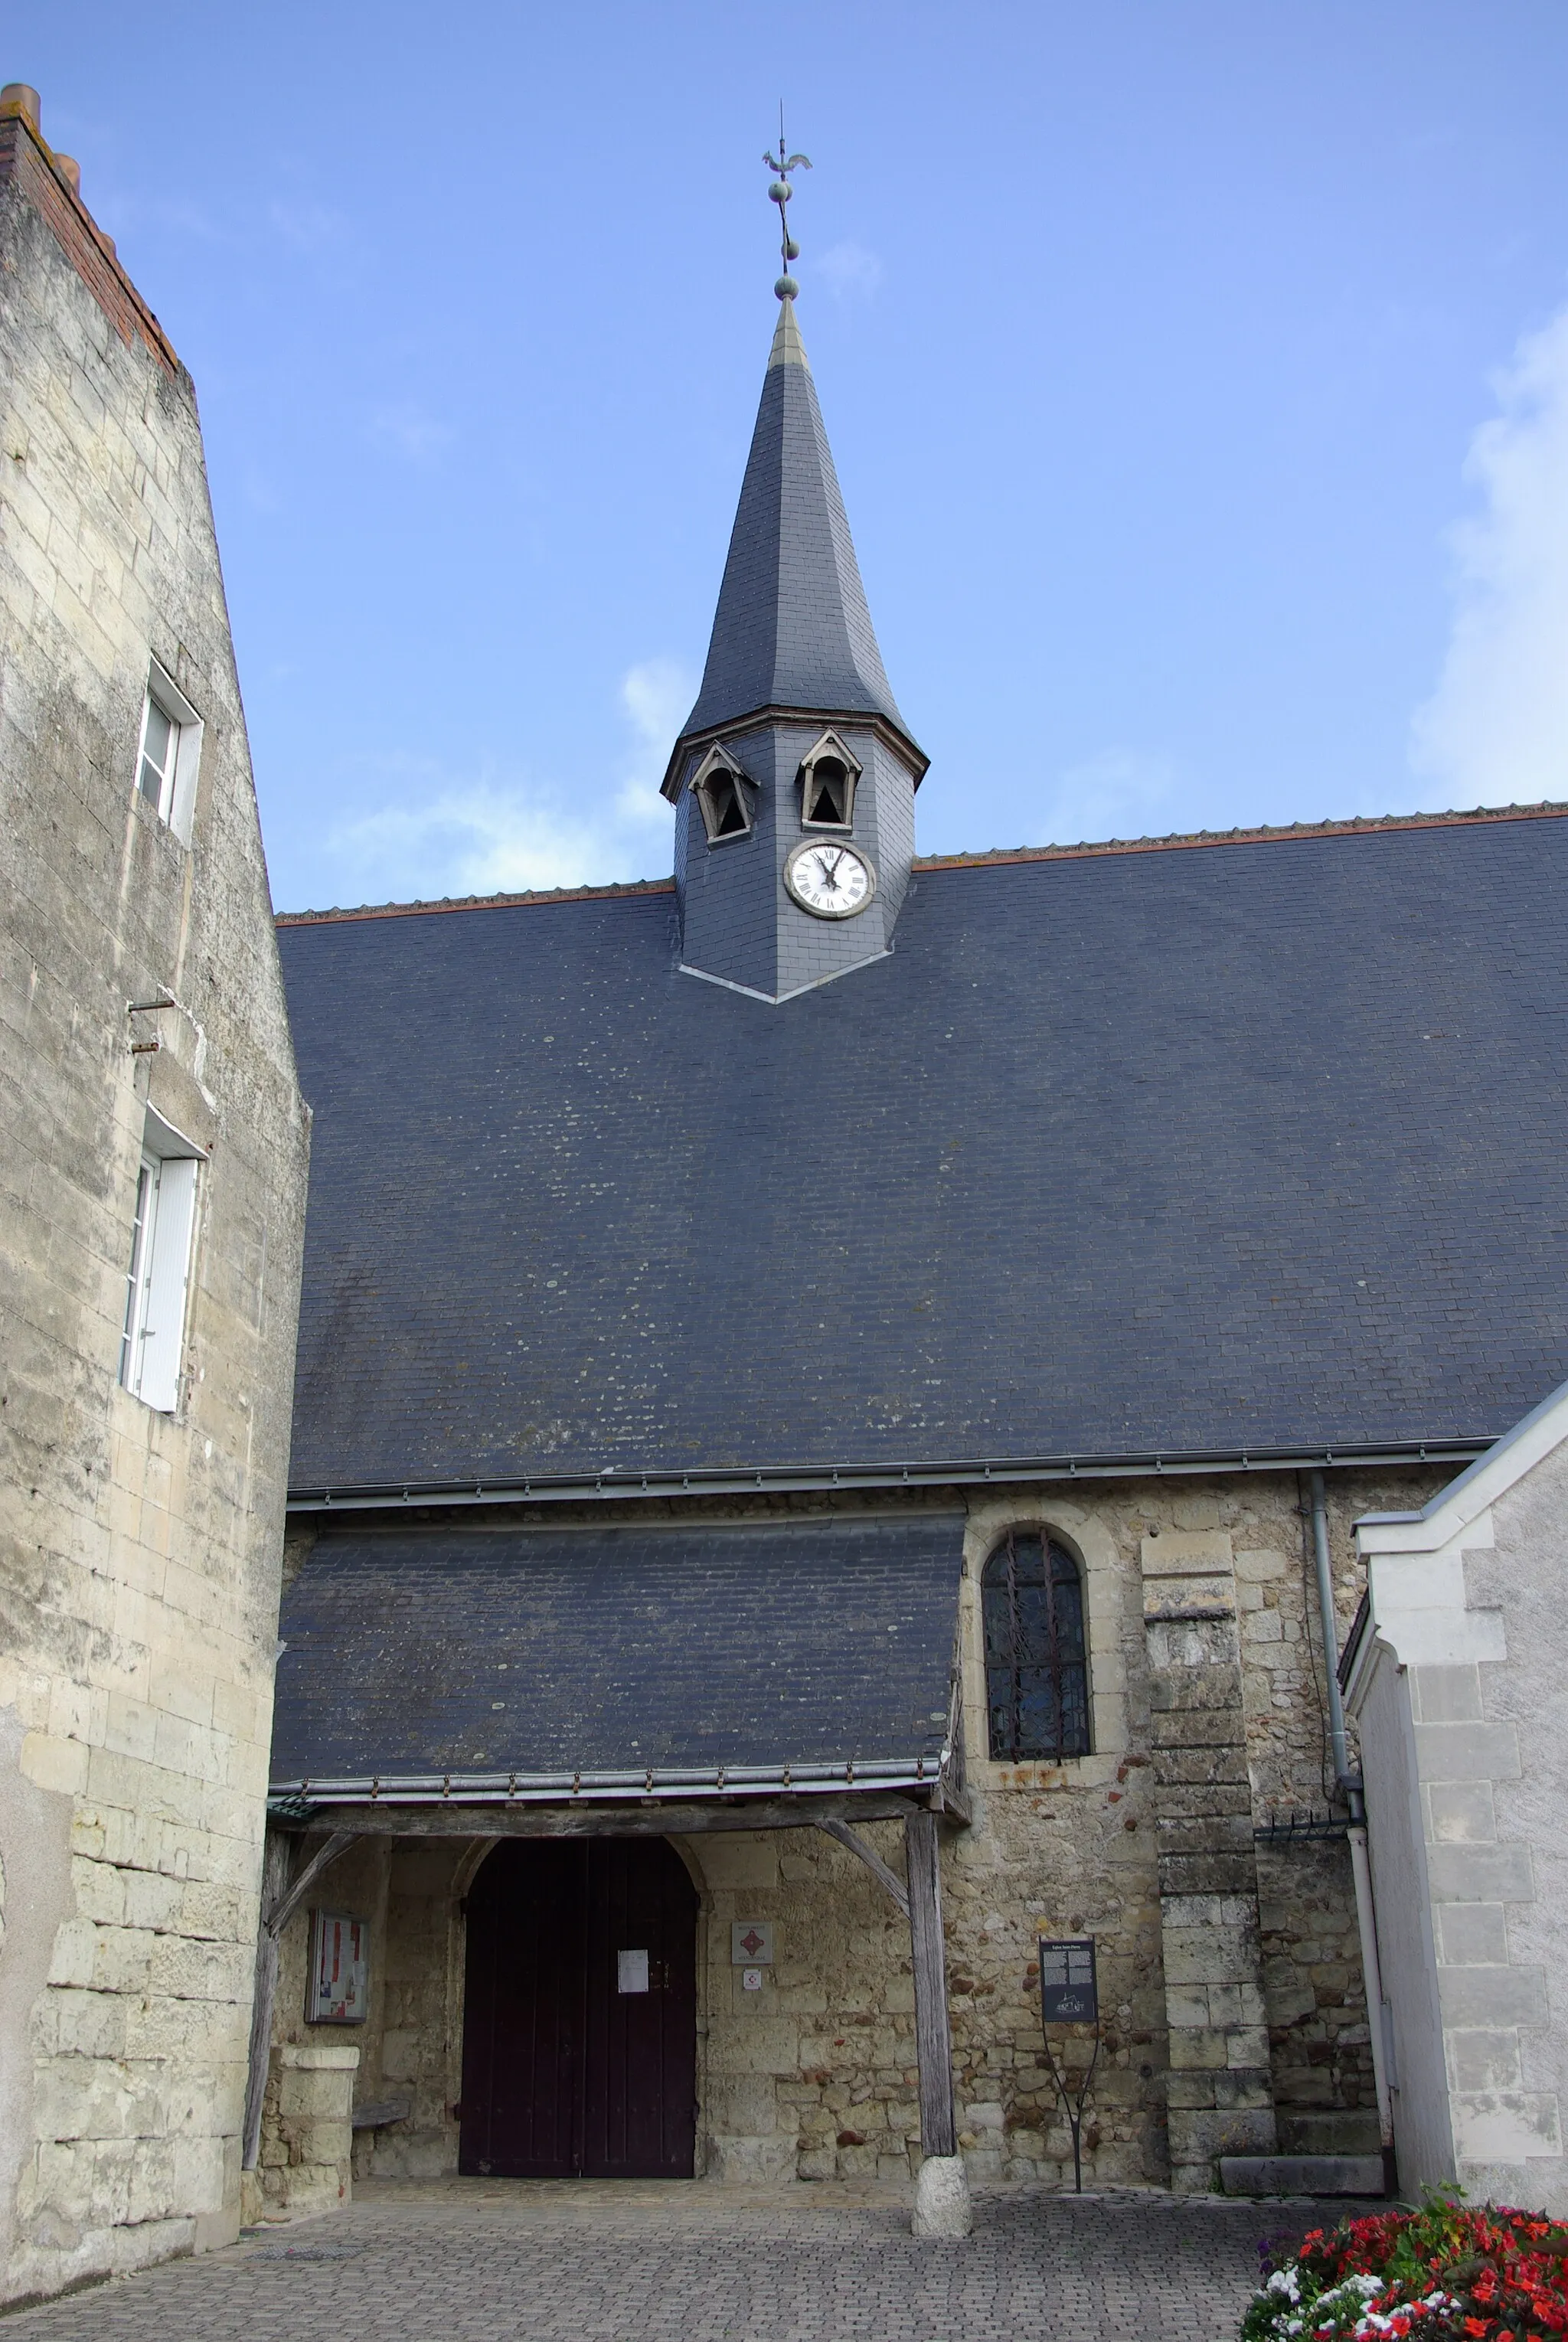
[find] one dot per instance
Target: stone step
(1326, 2130)
(1302, 2174)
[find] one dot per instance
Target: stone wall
(1457, 1684)
(140, 1549)
(815, 2072)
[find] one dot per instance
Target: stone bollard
(942, 2206)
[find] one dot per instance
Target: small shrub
(1448, 2272)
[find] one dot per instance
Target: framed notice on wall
(339, 1982)
(1069, 1988)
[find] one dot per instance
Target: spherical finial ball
(787, 288)
(792, 249)
(780, 192)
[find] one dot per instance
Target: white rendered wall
(1459, 1698)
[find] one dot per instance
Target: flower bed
(1450, 2272)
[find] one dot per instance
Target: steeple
(792, 629)
(794, 774)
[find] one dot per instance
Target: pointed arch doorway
(580, 2012)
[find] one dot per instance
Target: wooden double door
(580, 2012)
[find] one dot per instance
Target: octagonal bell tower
(794, 774)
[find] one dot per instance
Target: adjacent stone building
(153, 1155)
(833, 1396)
(1455, 1673)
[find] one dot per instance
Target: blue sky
(1197, 375)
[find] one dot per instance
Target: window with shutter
(169, 753)
(156, 1287)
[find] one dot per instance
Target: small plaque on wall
(1069, 1991)
(339, 1985)
(751, 1943)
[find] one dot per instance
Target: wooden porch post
(276, 1861)
(933, 2037)
(283, 1891)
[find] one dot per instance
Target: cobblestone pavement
(477, 2261)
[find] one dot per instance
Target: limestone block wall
(1193, 1752)
(139, 1551)
(1511, 1859)
(1458, 1686)
(1219, 2093)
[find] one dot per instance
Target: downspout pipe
(1354, 1790)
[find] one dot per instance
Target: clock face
(829, 880)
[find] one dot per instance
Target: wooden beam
(932, 2038)
(872, 1859)
(952, 1798)
(281, 1896)
(277, 1860)
(650, 1817)
(277, 1914)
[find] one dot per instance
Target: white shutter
(163, 1326)
(187, 759)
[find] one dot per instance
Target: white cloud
(487, 839)
(656, 695)
(409, 432)
(1495, 731)
(439, 834)
(849, 270)
(1117, 793)
(310, 225)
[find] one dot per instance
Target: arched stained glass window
(1037, 1667)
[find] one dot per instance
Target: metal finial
(781, 164)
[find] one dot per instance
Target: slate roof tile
(1263, 1144)
(811, 1642)
(792, 627)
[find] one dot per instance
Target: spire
(793, 779)
(792, 629)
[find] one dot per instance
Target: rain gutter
(612, 1483)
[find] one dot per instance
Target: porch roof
(689, 1661)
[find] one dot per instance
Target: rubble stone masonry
(1230, 1972)
(139, 1550)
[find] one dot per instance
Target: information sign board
(339, 1970)
(1069, 1989)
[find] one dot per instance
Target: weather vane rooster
(781, 164)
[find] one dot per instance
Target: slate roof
(688, 1649)
(792, 629)
(1254, 1144)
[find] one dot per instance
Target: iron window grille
(1036, 1667)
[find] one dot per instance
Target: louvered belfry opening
(826, 795)
(1036, 1667)
(729, 818)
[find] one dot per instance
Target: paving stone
(479, 2260)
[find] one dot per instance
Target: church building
(834, 1395)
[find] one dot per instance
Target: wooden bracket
(284, 1907)
(872, 1859)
